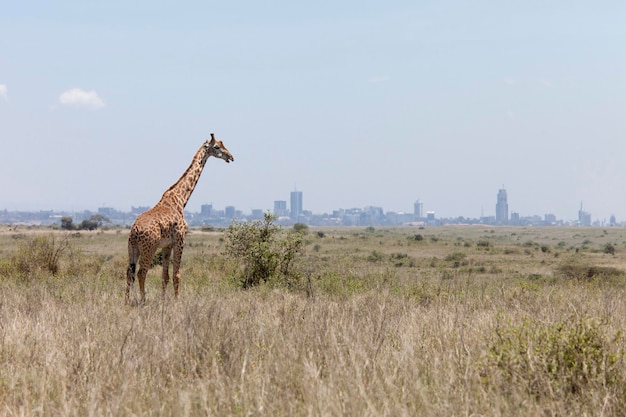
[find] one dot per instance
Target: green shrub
(457, 259)
(375, 256)
(556, 360)
(401, 259)
(301, 227)
(37, 254)
(609, 249)
(576, 269)
(261, 250)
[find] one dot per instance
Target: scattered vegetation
(377, 324)
(95, 221)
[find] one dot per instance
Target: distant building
(296, 204)
(107, 211)
(206, 210)
(257, 214)
(612, 220)
(549, 218)
(502, 207)
(229, 212)
(418, 209)
(138, 210)
(584, 217)
(280, 208)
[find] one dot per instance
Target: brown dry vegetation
(449, 321)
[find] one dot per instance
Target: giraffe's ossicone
(164, 225)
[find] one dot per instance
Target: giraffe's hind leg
(167, 252)
(176, 260)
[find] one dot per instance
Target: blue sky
(353, 103)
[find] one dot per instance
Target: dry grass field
(442, 321)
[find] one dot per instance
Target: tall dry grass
(495, 332)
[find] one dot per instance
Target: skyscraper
(296, 205)
(502, 207)
(584, 217)
(280, 208)
(418, 209)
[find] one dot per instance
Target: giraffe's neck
(179, 193)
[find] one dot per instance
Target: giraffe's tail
(133, 257)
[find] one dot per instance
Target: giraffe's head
(217, 149)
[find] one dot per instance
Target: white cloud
(510, 81)
(3, 92)
(81, 98)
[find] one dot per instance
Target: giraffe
(163, 226)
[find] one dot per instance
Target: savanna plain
(370, 321)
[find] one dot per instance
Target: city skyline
(296, 211)
(410, 207)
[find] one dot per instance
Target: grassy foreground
(448, 321)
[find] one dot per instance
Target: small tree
(94, 221)
(301, 227)
(262, 250)
(67, 223)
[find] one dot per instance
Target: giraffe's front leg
(166, 252)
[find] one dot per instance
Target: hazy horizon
(352, 103)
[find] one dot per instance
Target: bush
(576, 269)
(457, 259)
(37, 254)
(301, 227)
(557, 360)
(401, 259)
(609, 249)
(261, 250)
(375, 256)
